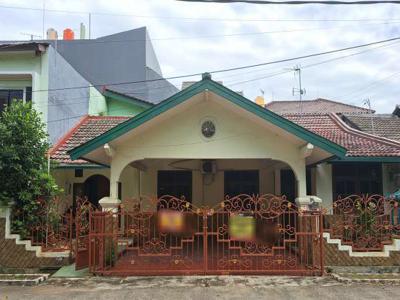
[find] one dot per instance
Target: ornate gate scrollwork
(170, 235)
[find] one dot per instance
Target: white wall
(179, 137)
(323, 184)
(65, 178)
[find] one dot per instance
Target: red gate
(172, 237)
(83, 212)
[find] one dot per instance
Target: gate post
(109, 248)
(109, 204)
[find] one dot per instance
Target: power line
(228, 69)
(326, 2)
(98, 41)
(189, 18)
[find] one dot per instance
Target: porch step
(395, 246)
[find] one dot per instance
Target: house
(117, 74)
(207, 142)
(225, 162)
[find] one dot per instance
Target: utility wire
(213, 36)
(190, 18)
(327, 2)
(311, 65)
(104, 85)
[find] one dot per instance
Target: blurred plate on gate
(242, 228)
(171, 221)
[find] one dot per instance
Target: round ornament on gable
(208, 128)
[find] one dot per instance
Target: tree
(23, 162)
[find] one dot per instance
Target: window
(241, 182)
(28, 94)
(7, 96)
(175, 183)
(352, 178)
(78, 172)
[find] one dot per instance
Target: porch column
(302, 200)
(112, 202)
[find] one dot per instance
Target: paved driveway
(211, 287)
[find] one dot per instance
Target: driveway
(210, 287)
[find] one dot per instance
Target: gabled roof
(207, 84)
(86, 129)
(314, 106)
(357, 143)
(384, 125)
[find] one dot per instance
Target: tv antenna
(367, 102)
(32, 36)
(297, 71)
(299, 90)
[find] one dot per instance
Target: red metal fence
(50, 226)
(365, 222)
(172, 236)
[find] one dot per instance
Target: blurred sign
(171, 221)
(242, 228)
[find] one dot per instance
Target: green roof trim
(127, 99)
(207, 84)
(383, 159)
(78, 166)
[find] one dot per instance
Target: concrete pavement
(206, 287)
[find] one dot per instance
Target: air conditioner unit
(208, 167)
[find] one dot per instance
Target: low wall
(335, 257)
(17, 256)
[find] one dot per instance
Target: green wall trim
(198, 87)
(127, 99)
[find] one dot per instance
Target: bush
(23, 164)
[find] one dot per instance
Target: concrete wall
(36, 67)
(119, 108)
(97, 103)
(323, 184)
(66, 106)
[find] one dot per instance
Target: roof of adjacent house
(86, 129)
(314, 106)
(384, 125)
(357, 143)
(23, 46)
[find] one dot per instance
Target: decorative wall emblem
(208, 128)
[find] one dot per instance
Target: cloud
(350, 78)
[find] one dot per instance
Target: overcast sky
(195, 37)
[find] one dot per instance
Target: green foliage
(23, 162)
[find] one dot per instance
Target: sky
(199, 37)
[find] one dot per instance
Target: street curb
(344, 279)
(23, 282)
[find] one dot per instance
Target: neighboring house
(117, 74)
(206, 142)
